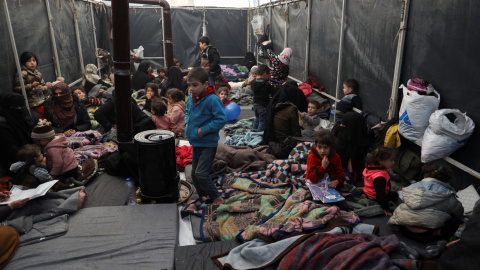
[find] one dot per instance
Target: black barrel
(157, 168)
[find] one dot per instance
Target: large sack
(415, 112)
(444, 136)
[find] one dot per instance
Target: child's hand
(4, 195)
(18, 203)
(333, 184)
(325, 162)
(387, 213)
(68, 132)
(199, 131)
(35, 83)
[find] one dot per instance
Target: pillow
(468, 197)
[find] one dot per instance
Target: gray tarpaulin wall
(441, 44)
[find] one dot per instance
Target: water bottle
(40, 93)
(131, 199)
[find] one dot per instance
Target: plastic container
(40, 93)
(131, 199)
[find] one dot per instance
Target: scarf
(175, 78)
(62, 106)
(143, 67)
(210, 90)
(91, 73)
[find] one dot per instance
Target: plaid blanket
(253, 209)
(348, 251)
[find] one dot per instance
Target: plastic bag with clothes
(449, 130)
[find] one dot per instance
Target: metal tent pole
(340, 51)
(15, 54)
(77, 34)
(95, 37)
(163, 39)
(249, 34)
(52, 38)
(307, 42)
(402, 31)
(285, 31)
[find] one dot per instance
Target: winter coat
(429, 203)
(369, 176)
(348, 102)
(279, 71)
(164, 122)
(80, 123)
(208, 115)
(310, 122)
(262, 90)
(285, 122)
(315, 171)
(59, 156)
(29, 77)
(177, 113)
(213, 59)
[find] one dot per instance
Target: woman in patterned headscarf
(66, 113)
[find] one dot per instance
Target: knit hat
(43, 130)
(286, 55)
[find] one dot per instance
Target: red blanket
(184, 156)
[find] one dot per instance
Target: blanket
(82, 138)
(348, 251)
(232, 73)
(184, 156)
(253, 210)
(252, 139)
(230, 159)
(241, 95)
(94, 151)
(45, 217)
(241, 127)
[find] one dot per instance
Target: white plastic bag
(139, 52)
(443, 137)
(415, 112)
(257, 25)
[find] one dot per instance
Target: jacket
(59, 156)
(208, 115)
(29, 77)
(177, 113)
(80, 123)
(369, 175)
(285, 122)
(164, 122)
(315, 171)
(213, 59)
(262, 89)
(349, 102)
(428, 203)
(310, 122)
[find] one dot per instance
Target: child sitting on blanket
(323, 159)
(222, 93)
(310, 119)
(31, 170)
(431, 210)
(60, 160)
(377, 179)
(162, 120)
(204, 118)
(176, 108)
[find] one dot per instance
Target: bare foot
(219, 200)
(81, 198)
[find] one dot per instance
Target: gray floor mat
(199, 256)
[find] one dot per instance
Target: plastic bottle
(131, 199)
(40, 93)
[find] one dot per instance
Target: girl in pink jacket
(176, 108)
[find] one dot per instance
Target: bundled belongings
(449, 130)
(415, 111)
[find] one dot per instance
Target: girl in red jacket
(377, 179)
(323, 159)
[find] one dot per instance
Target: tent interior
(382, 44)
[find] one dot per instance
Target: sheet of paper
(18, 193)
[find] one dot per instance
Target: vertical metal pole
(163, 40)
(95, 38)
(249, 33)
(121, 48)
(270, 20)
(307, 42)
(15, 54)
(77, 34)
(392, 109)
(285, 32)
(52, 38)
(340, 51)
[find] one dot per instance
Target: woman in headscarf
(174, 80)
(15, 129)
(282, 113)
(140, 78)
(353, 143)
(66, 113)
(280, 69)
(249, 61)
(91, 78)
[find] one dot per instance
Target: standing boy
(209, 59)
(262, 90)
(204, 118)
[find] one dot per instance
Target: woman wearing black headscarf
(282, 113)
(249, 61)
(353, 143)
(15, 129)
(174, 80)
(140, 78)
